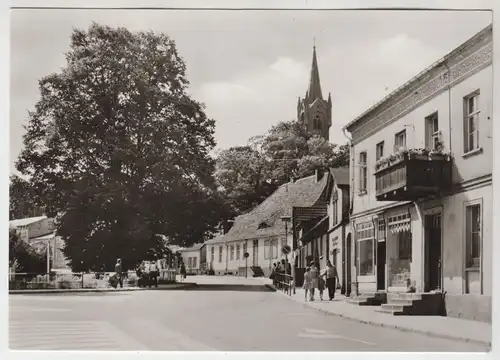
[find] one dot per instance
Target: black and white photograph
(272, 179)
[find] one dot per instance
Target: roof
(340, 176)
(420, 75)
(25, 221)
(265, 219)
(45, 237)
(195, 247)
(216, 240)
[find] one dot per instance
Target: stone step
(390, 312)
(402, 302)
(397, 308)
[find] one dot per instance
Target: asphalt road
(221, 318)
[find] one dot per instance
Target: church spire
(314, 83)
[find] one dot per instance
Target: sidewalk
(438, 326)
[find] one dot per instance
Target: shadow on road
(228, 287)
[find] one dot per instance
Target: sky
(249, 67)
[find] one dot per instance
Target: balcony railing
(412, 175)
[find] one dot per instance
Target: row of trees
(118, 153)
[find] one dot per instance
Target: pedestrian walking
(332, 278)
(321, 287)
(307, 282)
(314, 279)
(153, 271)
(183, 271)
(118, 271)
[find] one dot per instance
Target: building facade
(266, 229)
(421, 182)
(191, 257)
(314, 112)
(325, 238)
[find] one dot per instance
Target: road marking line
(76, 335)
(322, 334)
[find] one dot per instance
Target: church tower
(314, 112)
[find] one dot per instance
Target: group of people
(316, 279)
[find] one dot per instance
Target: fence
(284, 282)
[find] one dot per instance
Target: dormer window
(263, 225)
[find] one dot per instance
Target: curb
(64, 291)
(390, 326)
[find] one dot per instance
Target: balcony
(412, 174)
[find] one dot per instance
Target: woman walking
(314, 279)
(307, 282)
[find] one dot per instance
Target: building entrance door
(433, 252)
(381, 261)
(255, 255)
(348, 263)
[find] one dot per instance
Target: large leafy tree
(22, 198)
(120, 150)
(247, 175)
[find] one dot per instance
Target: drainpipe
(449, 103)
(351, 206)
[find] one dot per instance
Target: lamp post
(286, 249)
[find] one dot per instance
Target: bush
(68, 281)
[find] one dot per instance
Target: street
(228, 317)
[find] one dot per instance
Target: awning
(313, 231)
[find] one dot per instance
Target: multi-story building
(421, 181)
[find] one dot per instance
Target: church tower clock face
(313, 111)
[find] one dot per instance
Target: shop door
(381, 261)
(433, 252)
(255, 255)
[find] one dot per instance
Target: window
(317, 123)
(231, 252)
(212, 257)
(400, 141)
(433, 134)
(473, 236)
(365, 239)
(267, 249)
(194, 260)
(190, 260)
(238, 252)
(381, 230)
(379, 150)
(335, 212)
(220, 253)
(471, 122)
(362, 172)
(275, 248)
(404, 245)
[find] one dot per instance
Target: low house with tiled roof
(261, 232)
(39, 232)
(327, 238)
(191, 257)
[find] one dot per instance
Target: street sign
(286, 249)
(246, 254)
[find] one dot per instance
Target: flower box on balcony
(412, 174)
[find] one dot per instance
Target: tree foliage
(24, 257)
(22, 197)
(120, 150)
(247, 175)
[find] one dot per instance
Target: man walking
(118, 271)
(331, 278)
